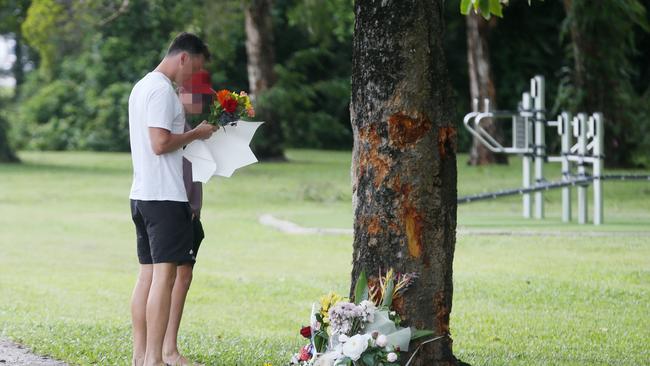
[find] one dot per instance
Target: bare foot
(179, 360)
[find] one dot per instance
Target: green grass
(68, 264)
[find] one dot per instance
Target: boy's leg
(138, 313)
(158, 305)
(179, 294)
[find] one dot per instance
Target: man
(159, 207)
(196, 96)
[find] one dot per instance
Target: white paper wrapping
(397, 336)
(226, 150)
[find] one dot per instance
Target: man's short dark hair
(190, 43)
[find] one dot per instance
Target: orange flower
(222, 96)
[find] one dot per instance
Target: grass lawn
(68, 265)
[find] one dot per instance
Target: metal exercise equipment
(528, 140)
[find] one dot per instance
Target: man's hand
(204, 130)
(163, 141)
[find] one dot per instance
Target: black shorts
(164, 231)
(197, 238)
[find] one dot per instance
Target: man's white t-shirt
(154, 103)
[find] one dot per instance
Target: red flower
(304, 354)
(230, 105)
(305, 332)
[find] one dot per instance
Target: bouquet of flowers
(365, 332)
(229, 107)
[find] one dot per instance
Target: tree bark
(7, 155)
(482, 85)
(261, 76)
(18, 67)
(404, 160)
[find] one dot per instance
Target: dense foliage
(85, 56)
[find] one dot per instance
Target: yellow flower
(327, 301)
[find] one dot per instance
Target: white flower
(391, 357)
(343, 338)
(341, 317)
(367, 311)
(327, 359)
(381, 341)
(355, 346)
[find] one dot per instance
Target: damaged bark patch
(442, 312)
(446, 141)
(414, 226)
(374, 227)
(398, 306)
(370, 157)
(404, 130)
(412, 220)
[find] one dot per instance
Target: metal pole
(526, 161)
(537, 91)
(564, 127)
(597, 127)
(581, 133)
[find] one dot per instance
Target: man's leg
(179, 294)
(138, 313)
(158, 305)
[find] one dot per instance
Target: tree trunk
(481, 85)
(259, 49)
(404, 160)
(18, 67)
(7, 155)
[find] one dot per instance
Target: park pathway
(293, 228)
(13, 354)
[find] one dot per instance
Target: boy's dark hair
(189, 43)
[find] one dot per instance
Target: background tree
(481, 85)
(261, 76)
(7, 154)
(89, 61)
(602, 47)
(12, 14)
(314, 50)
(82, 57)
(404, 159)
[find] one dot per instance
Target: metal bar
(516, 191)
(598, 151)
(548, 186)
(485, 134)
(625, 177)
(581, 133)
(537, 90)
(466, 121)
(526, 160)
(565, 131)
(573, 157)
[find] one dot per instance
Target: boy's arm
(163, 141)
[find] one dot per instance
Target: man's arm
(163, 141)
